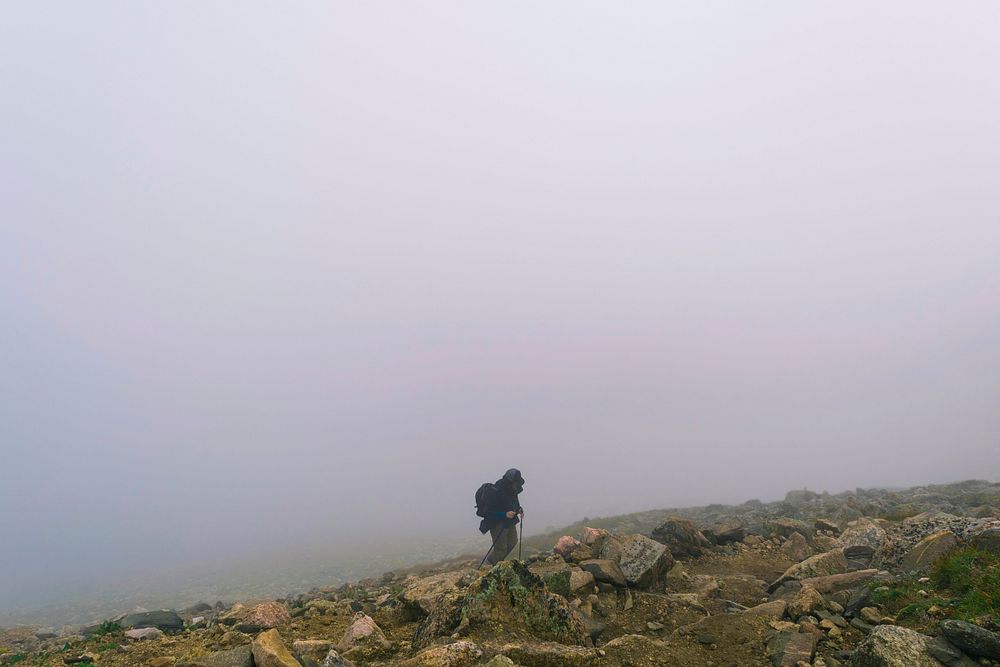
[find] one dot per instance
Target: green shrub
(107, 628)
(974, 578)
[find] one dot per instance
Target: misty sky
(278, 277)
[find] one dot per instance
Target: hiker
(500, 514)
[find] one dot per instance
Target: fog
(297, 279)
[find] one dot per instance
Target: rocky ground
(872, 578)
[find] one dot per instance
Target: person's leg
(511, 539)
(499, 543)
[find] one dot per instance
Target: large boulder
(566, 545)
(862, 532)
(549, 654)
(364, 637)
(681, 537)
(457, 654)
(796, 547)
(593, 536)
(643, 561)
(508, 601)
(929, 550)
(829, 562)
(972, 639)
(894, 646)
(986, 539)
(258, 617)
(841, 582)
(311, 652)
(423, 593)
(240, 656)
(164, 619)
(556, 575)
(774, 609)
(270, 651)
(805, 601)
(725, 533)
(605, 570)
(788, 648)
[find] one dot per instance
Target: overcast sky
(279, 276)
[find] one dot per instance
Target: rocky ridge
(871, 578)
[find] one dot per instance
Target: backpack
(484, 498)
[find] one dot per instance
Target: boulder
(972, 639)
(929, 550)
(784, 527)
(804, 602)
(775, 609)
(642, 561)
(500, 661)
(830, 562)
(457, 654)
(580, 579)
(840, 582)
(164, 619)
(788, 647)
(725, 533)
(363, 634)
(423, 593)
(144, 633)
(556, 575)
(859, 556)
(566, 545)
(270, 651)
(986, 539)
(334, 659)
(796, 547)
(592, 536)
(681, 537)
(827, 525)
(948, 654)
(894, 646)
(311, 652)
(549, 654)
(799, 497)
(508, 601)
(605, 570)
(864, 532)
(259, 617)
(235, 657)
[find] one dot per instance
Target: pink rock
(566, 545)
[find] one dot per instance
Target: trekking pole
(499, 535)
(520, 538)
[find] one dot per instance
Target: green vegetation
(107, 628)
(974, 577)
(16, 658)
(963, 585)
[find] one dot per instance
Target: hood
(513, 480)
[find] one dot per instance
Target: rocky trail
(871, 578)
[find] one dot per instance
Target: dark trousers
(504, 543)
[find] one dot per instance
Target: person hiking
(502, 512)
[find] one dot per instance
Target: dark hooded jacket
(503, 500)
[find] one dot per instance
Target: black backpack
(484, 498)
